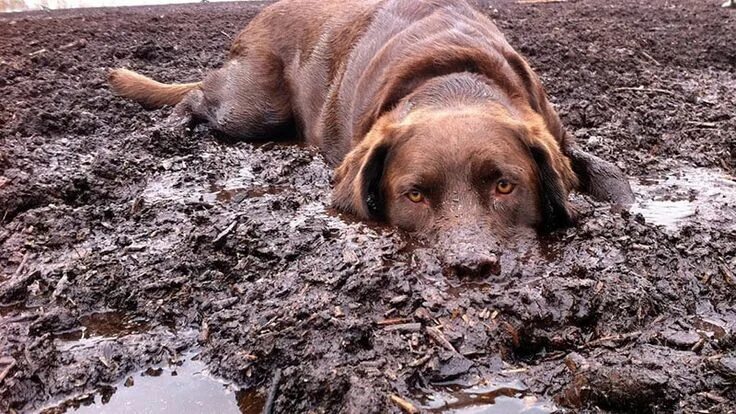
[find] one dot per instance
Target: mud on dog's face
(468, 178)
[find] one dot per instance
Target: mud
(125, 246)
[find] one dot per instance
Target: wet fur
(347, 74)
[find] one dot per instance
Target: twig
(21, 265)
(226, 35)
(38, 52)
(713, 397)
(437, 336)
(268, 408)
(421, 361)
(728, 277)
(514, 371)
(7, 369)
(642, 89)
(703, 124)
(225, 232)
(79, 43)
(648, 56)
(393, 321)
(405, 406)
(404, 327)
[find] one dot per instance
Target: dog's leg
(187, 111)
(247, 99)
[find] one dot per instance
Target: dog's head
(469, 177)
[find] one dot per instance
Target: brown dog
(438, 126)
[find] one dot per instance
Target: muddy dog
(436, 125)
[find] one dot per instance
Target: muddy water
(687, 195)
(503, 398)
(181, 387)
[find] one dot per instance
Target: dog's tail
(146, 91)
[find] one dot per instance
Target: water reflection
(185, 387)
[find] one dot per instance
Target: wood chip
(404, 405)
(648, 56)
(514, 371)
(438, 337)
(420, 361)
(643, 89)
(404, 327)
(6, 371)
(220, 237)
(20, 267)
(714, 397)
(728, 276)
(393, 321)
(398, 299)
(77, 44)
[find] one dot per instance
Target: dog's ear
(358, 180)
(556, 211)
(596, 177)
(599, 178)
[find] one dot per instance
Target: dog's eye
(504, 186)
(415, 196)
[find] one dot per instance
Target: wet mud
(127, 248)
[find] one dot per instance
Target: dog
(435, 124)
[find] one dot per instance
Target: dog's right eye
(415, 196)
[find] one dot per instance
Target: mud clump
(124, 246)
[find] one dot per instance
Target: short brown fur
(419, 98)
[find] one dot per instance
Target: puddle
(509, 398)
(688, 195)
(26, 5)
(184, 388)
(103, 324)
(99, 327)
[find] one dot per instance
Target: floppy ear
(599, 178)
(556, 212)
(358, 180)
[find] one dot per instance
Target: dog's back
(345, 62)
(330, 67)
(349, 75)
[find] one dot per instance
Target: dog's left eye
(504, 186)
(415, 196)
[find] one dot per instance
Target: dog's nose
(473, 264)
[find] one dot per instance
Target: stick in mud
(268, 408)
(405, 405)
(11, 364)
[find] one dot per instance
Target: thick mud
(126, 248)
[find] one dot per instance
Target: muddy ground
(124, 246)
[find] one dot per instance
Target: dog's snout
(473, 264)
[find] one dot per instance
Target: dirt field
(127, 248)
